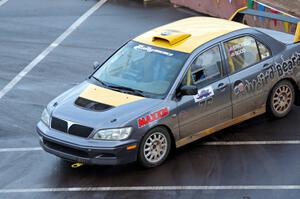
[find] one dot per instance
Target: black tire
(143, 159)
(281, 99)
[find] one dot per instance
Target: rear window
(264, 51)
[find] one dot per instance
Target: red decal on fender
(146, 120)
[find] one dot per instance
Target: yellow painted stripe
(107, 96)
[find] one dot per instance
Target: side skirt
(221, 126)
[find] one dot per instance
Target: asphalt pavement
(257, 159)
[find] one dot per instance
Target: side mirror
(96, 65)
(188, 90)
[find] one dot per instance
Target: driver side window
(205, 69)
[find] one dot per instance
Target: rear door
(212, 105)
(250, 68)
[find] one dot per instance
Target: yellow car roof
(187, 34)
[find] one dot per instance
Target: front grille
(59, 124)
(74, 129)
(81, 131)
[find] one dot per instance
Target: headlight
(113, 134)
(46, 117)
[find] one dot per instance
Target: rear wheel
(281, 99)
(155, 147)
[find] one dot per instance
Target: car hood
(98, 107)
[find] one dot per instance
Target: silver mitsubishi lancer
(171, 86)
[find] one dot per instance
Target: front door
(212, 104)
(251, 72)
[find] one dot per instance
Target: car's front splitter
(85, 151)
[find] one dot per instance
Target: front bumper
(87, 151)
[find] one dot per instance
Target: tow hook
(76, 165)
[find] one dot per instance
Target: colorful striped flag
(250, 4)
(274, 20)
(286, 25)
(261, 8)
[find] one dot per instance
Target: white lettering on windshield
(151, 50)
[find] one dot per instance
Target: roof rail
(240, 13)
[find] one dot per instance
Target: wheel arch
(173, 142)
(141, 158)
(296, 88)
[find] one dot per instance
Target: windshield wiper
(121, 88)
(101, 82)
(131, 90)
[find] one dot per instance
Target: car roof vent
(171, 37)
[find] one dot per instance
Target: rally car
(171, 86)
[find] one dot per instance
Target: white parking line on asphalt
(2, 2)
(220, 143)
(50, 48)
(20, 149)
(154, 188)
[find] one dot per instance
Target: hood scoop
(91, 105)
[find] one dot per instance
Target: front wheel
(281, 99)
(154, 148)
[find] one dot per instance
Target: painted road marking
(223, 143)
(154, 188)
(2, 2)
(20, 149)
(50, 48)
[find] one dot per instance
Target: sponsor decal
(204, 93)
(152, 117)
(236, 50)
(283, 69)
(238, 87)
(287, 66)
(240, 49)
(152, 50)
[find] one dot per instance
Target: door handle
(267, 66)
(222, 86)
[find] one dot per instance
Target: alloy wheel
(282, 99)
(155, 147)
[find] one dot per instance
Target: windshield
(147, 69)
